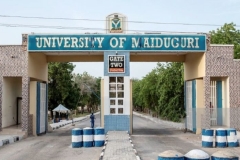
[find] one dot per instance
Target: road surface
(52, 146)
(149, 139)
(152, 138)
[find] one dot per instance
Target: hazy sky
(215, 12)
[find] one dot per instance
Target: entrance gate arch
(117, 49)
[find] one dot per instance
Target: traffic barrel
(77, 136)
(221, 138)
(232, 140)
(99, 136)
(207, 138)
(87, 137)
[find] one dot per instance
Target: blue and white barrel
(232, 140)
(99, 136)
(221, 138)
(77, 137)
(196, 154)
(87, 137)
(207, 138)
(170, 155)
(224, 155)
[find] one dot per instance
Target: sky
(216, 12)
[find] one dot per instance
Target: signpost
(116, 64)
(117, 42)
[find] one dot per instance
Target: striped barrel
(221, 138)
(232, 140)
(87, 137)
(77, 136)
(224, 155)
(207, 138)
(99, 136)
(170, 155)
(196, 154)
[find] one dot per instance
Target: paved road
(151, 138)
(119, 147)
(52, 146)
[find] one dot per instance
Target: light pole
(98, 98)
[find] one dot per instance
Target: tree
(148, 91)
(62, 89)
(97, 95)
(137, 99)
(171, 91)
(89, 90)
(227, 34)
(162, 91)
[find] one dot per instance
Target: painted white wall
(33, 104)
(189, 105)
(199, 104)
(102, 102)
(225, 102)
(127, 96)
(126, 102)
(12, 88)
(106, 95)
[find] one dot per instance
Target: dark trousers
(92, 124)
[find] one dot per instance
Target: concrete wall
(220, 64)
(194, 66)
(33, 104)
(38, 66)
(12, 88)
(14, 63)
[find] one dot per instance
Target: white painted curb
(61, 124)
(9, 140)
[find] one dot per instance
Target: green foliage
(71, 90)
(227, 34)
(61, 87)
(98, 90)
(148, 90)
(136, 88)
(171, 91)
(89, 89)
(162, 91)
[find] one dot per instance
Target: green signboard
(117, 42)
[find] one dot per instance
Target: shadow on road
(157, 131)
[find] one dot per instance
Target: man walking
(92, 117)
